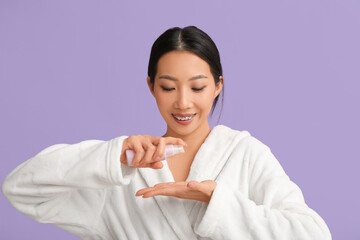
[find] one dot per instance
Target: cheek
(205, 100)
(162, 101)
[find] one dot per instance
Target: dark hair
(191, 39)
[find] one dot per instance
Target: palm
(200, 191)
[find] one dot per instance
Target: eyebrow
(175, 79)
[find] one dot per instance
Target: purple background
(76, 70)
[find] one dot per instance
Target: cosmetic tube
(169, 151)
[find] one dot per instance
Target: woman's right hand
(152, 147)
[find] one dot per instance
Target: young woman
(226, 185)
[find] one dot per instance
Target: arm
(275, 208)
(65, 183)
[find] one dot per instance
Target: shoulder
(243, 139)
(257, 154)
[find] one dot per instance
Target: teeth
(184, 118)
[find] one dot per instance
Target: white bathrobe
(84, 189)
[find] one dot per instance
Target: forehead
(182, 64)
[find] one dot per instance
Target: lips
(182, 121)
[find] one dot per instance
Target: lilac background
(76, 70)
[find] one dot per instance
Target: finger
(193, 185)
(149, 152)
(123, 151)
(156, 165)
(123, 159)
(163, 184)
(174, 189)
(153, 192)
(168, 140)
(145, 165)
(139, 153)
(160, 149)
(156, 186)
(165, 191)
(142, 191)
(175, 141)
(155, 140)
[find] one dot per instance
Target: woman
(226, 185)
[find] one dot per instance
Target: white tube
(169, 151)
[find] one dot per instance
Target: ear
(151, 86)
(219, 86)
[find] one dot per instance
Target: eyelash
(170, 89)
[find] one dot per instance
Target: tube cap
(172, 150)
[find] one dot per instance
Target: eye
(170, 89)
(167, 89)
(198, 89)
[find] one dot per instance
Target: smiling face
(184, 85)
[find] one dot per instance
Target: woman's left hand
(200, 191)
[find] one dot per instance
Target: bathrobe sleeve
(274, 208)
(65, 184)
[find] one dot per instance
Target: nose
(183, 99)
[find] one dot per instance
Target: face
(184, 85)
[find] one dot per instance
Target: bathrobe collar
(207, 164)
